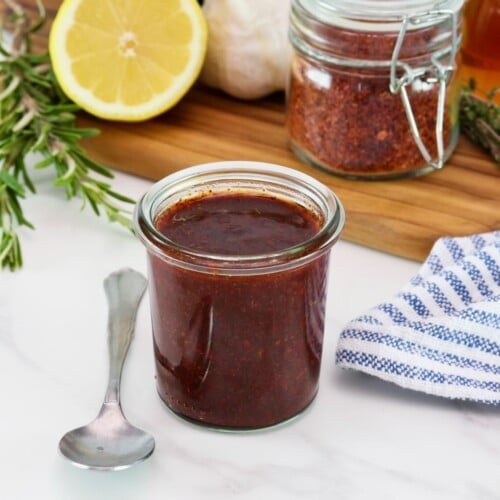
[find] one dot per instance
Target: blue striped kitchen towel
(441, 333)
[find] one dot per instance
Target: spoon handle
(124, 290)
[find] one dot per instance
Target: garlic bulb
(248, 52)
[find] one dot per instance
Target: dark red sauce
(237, 351)
(232, 224)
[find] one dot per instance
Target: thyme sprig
(480, 120)
(36, 118)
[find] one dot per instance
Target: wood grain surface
(402, 217)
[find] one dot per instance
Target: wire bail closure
(435, 73)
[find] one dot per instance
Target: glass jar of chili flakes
(373, 91)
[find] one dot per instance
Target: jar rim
(149, 207)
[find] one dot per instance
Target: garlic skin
(248, 53)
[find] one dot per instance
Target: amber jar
(481, 46)
(373, 91)
(238, 334)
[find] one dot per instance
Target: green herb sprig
(480, 120)
(37, 118)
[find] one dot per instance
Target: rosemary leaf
(36, 117)
(11, 182)
(480, 120)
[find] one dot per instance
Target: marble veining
(362, 438)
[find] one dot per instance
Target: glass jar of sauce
(238, 255)
(373, 91)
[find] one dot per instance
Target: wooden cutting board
(402, 217)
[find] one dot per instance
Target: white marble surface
(362, 438)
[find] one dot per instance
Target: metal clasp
(436, 72)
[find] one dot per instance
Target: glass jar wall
(373, 91)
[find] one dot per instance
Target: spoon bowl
(107, 443)
(110, 442)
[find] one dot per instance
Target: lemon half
(127, 60)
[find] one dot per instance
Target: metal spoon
(110, 442)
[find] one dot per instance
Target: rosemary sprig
(480, 120)
(37, 118)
